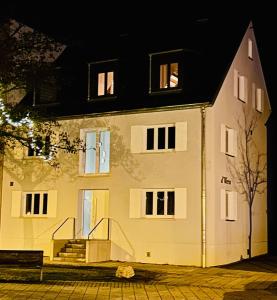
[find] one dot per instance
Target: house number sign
(225, 180)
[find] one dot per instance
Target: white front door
(94, 208)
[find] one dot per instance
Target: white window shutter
(245, 89)
(250, 48)
(52, 203)
(222, 204)
(241, 89)
(236, 87)
(180, 203)
(259, 100)
(233, 206)
(137, 139)
(16, 203)
(135, 208)
(181, 136)
(234, 142)
(223, 138)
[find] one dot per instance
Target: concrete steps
(73, 251)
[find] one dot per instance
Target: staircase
(73, 251)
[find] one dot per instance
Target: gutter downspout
(203, 187)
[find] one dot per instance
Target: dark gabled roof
(209, 48)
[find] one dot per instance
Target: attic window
(166, 71)
(250, 49)
(102, 78)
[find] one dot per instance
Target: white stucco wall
(168, 240)
(228, 241)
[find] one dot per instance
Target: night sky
(71, 22)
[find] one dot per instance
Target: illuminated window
(165, 71)
(250, 49)
(169, 76)
(259, 100)
(39, 147)
(160, 203)
(160, 137)
(96, 158)
(228, 205)
(228, 140)
(35, 203)
(102, 79)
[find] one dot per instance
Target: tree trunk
(250, 232)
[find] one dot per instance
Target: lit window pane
(101, 84)
(90, 157)
(149, 203)
(163, 76)
(110, 84)
(104, 164)
(36, 204)
(150, 139)
(160, 203)
(170, 203)
(161, 138)
(28, 210)
(174, 75)
(171, 137)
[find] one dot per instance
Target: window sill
(159, 151)
(170, 217)
(33, 157)
(100, 98)
(95, 175)
(165, 91)
(35, 216)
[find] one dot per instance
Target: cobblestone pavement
(255, 279)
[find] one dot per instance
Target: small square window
(102, 79)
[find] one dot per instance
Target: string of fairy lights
(28, 122)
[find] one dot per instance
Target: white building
(154, 184)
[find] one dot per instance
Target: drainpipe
(203, 188)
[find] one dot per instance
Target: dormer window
(102, 80)
(166, 71)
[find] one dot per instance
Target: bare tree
(249, 171)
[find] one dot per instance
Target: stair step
(77, 241)
(76, 246)
(69, 259)
(73, 250)
(71, 254)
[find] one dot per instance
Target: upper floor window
(39, 147)
(166, 71)
(259, 100)
(96, 158)
(240, 86)
(102, 79)
(159, 138)
(228, 205)
(250, 49)
(228, 140)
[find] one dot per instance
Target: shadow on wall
(32, 171)
(255, 290)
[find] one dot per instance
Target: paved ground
(254, 279)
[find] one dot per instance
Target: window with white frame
(35, 203)
(228, 140)
(250, 48)
(105, 83)
(240, 86)
(158, 203)
(159, 138)
(39, 147)
(96, 158)
(259, 100)
(228, 205)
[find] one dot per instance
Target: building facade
(157, 181)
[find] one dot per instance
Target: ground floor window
(160, 203)
(36, 203)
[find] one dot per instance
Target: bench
(22, 259)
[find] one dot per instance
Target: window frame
(156, 60)
(259, 100)
(250, 49)
(36, 154)
(41, 204)
(154, 215)
(156, 138)
(97, 172)
(96, 68)
(228, 140)
(229, 205)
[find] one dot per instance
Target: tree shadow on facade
(255, 290)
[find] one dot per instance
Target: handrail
(108, 233)
(53, 234)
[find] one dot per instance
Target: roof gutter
(203, 186)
